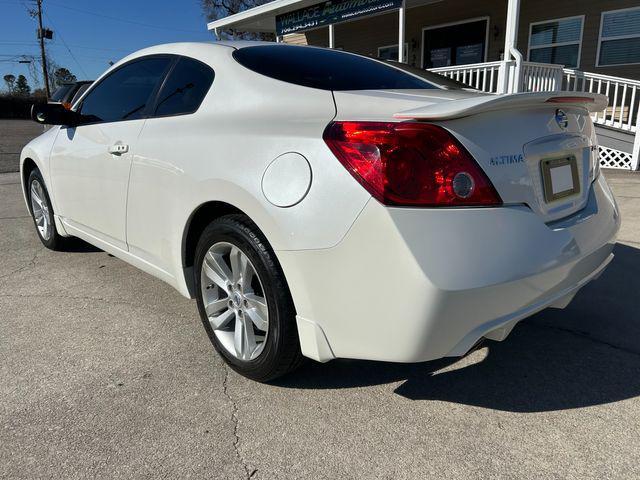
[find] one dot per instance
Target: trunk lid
(510, 136)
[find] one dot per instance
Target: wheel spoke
(239, 335)
(34, 193)
(221, 320)
(216, 306)
(258, 320)
(249, 338)
(241, 267)
(258, 311)
(215, 268)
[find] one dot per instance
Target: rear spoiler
(593, 102)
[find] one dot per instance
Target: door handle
(118, 149)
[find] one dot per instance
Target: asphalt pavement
(15, 134)
(107, 372)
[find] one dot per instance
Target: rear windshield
(326, 69)
(61, 92)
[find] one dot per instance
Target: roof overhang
(263, 17)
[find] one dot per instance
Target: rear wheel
(42, 212)
(244, 301)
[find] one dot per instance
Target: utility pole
(45, 74)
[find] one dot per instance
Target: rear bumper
(410, 285)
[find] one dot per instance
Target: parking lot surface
(107, 372)
(15, 134)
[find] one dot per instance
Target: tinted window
(62, 90)
(185, 88)
(83, 88)
(325, 69)
(124, 94)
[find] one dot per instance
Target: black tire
(281, 353)
(54, 241)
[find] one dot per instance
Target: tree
(62, 75)
(216, 9)
(10, 80)
(21, 86)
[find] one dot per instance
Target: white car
(322, 204)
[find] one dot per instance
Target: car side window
(185, 88)
(125, 93)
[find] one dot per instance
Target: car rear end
(484, 210)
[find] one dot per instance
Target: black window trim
(153, 96)
(153, 105)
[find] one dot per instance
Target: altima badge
(561, 119)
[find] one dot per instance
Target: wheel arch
(197, 222)
(28, 165)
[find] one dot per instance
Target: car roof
(188, 48)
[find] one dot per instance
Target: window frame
(620, 37)
(153, 95)
(559, 44)
(451, 24)
(156, 94)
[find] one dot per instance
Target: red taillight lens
(410, 164)
(570, 100)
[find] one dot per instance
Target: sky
(88, 34)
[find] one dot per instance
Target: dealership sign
(330, 12)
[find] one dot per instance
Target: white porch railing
(622, 114)
(536, 77)
(481, 76)
(623, 93)
(541, 77)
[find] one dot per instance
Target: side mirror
(53, 114)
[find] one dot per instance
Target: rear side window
(325, 69)
(185, 88)
(125, 93)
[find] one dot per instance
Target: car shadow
(587, 354)
(76, 245)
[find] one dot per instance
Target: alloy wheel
(41, 212)
(234, 301)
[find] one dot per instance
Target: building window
(619, 42)
(556, 41)
(459, 43)
(390, 52)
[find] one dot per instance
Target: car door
(172, 133)
(90, 163)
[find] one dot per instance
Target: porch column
(635, 153)
(332, 37)
(401, 12)
(513, 75)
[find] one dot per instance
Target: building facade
(599, 36)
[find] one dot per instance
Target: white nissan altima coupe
(322, 204)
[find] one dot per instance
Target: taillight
(410, 164)
(570, 100)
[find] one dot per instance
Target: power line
(67, 46)
(123, 20)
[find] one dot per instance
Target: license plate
(560, 178)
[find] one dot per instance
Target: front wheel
(42, 212)
(244, 301)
